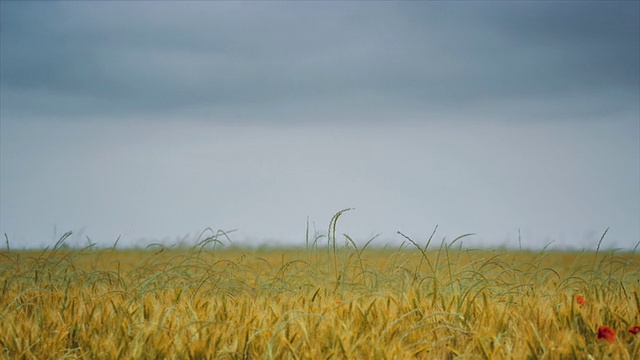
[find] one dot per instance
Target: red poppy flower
(607, 333)
(635, 330)
(580, 300)
(338, 302)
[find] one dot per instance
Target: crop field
(333, 298)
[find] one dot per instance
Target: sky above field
(152, 121)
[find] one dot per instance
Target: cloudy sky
(155, 120)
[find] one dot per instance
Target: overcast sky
(155, 120)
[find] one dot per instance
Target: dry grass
(319, 302)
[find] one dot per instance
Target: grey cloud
(543, 50)
(158, 66)
(264, 60)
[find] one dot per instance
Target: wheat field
(328, 300)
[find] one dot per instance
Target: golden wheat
(333, 302)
